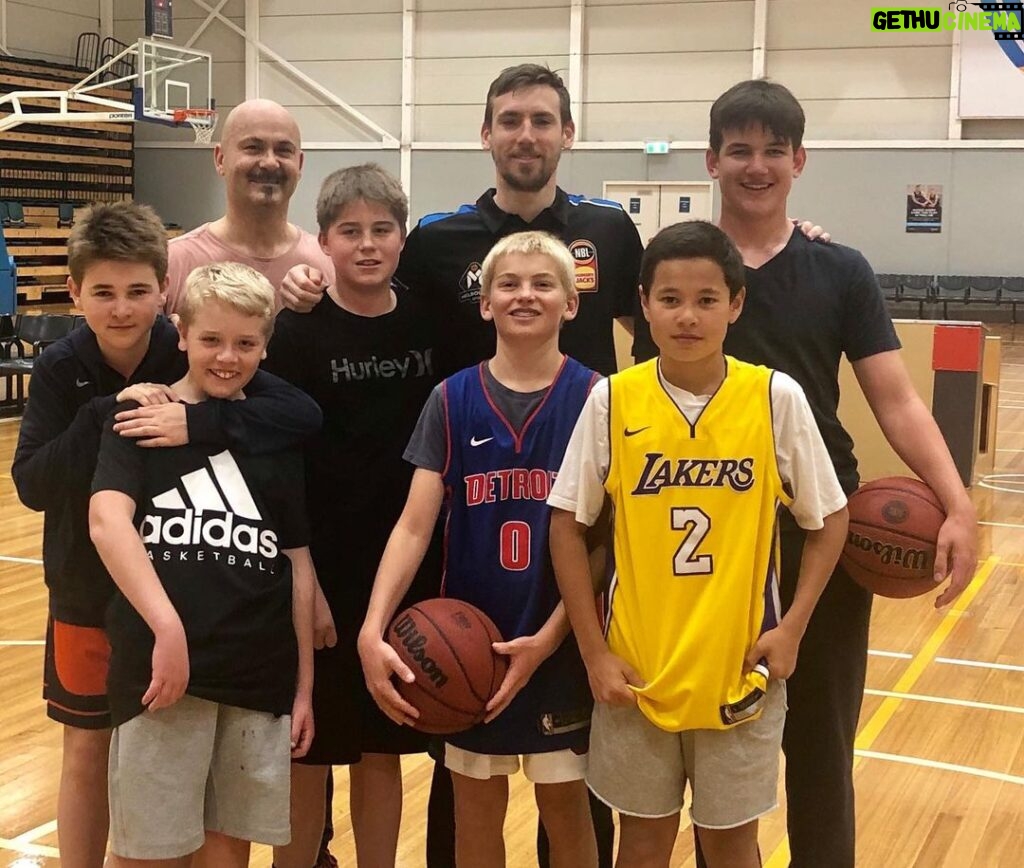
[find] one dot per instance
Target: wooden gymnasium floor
(940, 755)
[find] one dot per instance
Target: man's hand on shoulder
(812, 230)
(302, 288)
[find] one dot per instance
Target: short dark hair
(118, 232)
(758, 101)
(693, 239)
(514, 78)
(368, 183)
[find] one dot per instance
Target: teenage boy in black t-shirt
(117, 255)
(216, 602)
(807, 305)
(366, 354)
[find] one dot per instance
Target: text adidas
(190, 529)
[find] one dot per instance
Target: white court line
(14, 643)
(38, 832)
(14, 560)
(942, 700)
(1010, 450)
(980, 664)
(29, 849)
(1000, 523)
(946, 767)
(1008, 392)
(901, 655)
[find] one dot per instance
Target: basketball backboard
(171, 79)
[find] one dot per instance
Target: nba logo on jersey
(584, 254)
(469, 283)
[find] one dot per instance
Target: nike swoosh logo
(474, 442)
(629, 433)
(81, 383)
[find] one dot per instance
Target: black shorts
(348, 721)
(75, 675)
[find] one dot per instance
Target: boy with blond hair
(117, 256)
(212, 632)
(697, 452)
(510, 414)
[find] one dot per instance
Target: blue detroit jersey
(497, 482)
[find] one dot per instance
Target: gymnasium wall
(650, 70)
(48, 29)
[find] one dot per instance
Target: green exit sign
(656, 147)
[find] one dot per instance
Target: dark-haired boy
(697, 451)
(807, 305)
(117, 256)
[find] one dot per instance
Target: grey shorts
(641, 770)
(197, 766)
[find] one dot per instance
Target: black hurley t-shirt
(804, 309)
(214, 523)
(371, 377)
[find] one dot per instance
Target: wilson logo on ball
(908, 558)
(415, 643)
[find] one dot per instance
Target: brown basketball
(447, 645)
(890, 547)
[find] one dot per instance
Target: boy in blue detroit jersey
(487, 446)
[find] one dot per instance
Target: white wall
(48, 29)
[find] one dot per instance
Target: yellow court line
(884, 713)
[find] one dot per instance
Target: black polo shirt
(444, 253)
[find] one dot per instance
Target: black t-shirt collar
(553, 218)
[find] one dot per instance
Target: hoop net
(202, 121)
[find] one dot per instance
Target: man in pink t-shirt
(260, 159)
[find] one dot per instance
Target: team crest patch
(584, 254)
(469, 283)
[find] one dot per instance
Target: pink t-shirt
(201, 247)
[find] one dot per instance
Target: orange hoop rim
(183, 115)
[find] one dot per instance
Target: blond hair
(527, 243)
(231, 283)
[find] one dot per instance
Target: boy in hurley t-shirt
(212, 635)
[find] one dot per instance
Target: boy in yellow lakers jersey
(697, 452)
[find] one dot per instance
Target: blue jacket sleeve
(57, 443)
(274, 416)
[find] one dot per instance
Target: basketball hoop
(202, 121)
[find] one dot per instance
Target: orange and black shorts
(75, 675)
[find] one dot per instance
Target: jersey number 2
(514, 547)
(695, 524)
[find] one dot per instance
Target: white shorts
(556, 767)
(641, 770)
(197, 766)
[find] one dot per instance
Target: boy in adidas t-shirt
(216, 602)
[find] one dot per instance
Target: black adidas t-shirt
(214, 523)
(371, 377)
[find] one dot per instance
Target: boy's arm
(911, 430)
(610, 676)
(57, 445)
(119, 545)
(274, 416)
(405, 550)
(303, 584)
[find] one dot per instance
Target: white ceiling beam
(408, 93)
(214, 13)
(759, 61)
(311, 83)
(955, 126)
(252, 52)
(106, 16)
(577, 31)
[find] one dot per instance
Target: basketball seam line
(455, 654)
(494, 669)
(415, 684)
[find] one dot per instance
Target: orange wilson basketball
(447, 645)
(890, 547)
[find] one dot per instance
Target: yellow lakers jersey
(696, 551)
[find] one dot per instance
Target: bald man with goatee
(260, 159)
